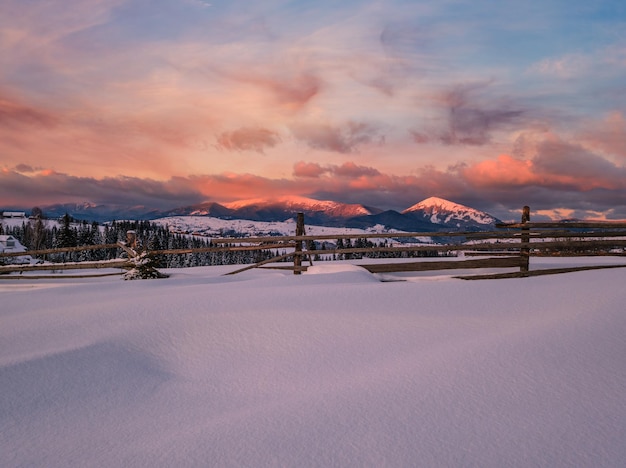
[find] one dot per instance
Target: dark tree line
(361, 243)
(36, 235)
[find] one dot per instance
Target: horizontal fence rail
(82, 248)
(87, 265)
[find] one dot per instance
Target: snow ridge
(331, 208)
(442, 211)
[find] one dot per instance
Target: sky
(168, 103)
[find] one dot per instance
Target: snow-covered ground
(330, 368)
(215, 227)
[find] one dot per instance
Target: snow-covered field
(215, 227)
(330, 368)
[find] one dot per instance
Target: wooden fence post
(297, 257)
(525, 251)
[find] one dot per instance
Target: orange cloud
(304, 169)
(248, 139)
(231, 186)
(350, 169)
(345, 138)
(291, 91)
(556, 164)
(504, 171)
(14, 113)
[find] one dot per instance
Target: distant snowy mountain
(277, 209)
(450, 214)
(203, 209)
(290, 205)
(92, 212)
(431, 214)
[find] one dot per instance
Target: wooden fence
(510, 247)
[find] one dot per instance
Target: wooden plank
(498, 262)
(382, 235)
(286, 267)
(32, 277)
(568, 244)
(573, 225)
(61, 250)
(132, 253)
(240, 248)
(67, 266)
(550, 234)
(487, 246)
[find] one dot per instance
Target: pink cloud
(248, 139)
(291, 91)
(308, 169)
(14, 113)
(607, 136)
(232, 186)
(504, 171)
(296, 92)
(97, 141)
(351, 170)
(348, 170)
(345, 138)
(557, 165)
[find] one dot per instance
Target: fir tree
(66, 236)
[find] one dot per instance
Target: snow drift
(331, 368)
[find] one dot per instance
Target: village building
(13, 214)
(9, 244)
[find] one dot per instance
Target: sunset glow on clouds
(168, 103)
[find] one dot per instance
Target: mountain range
(429, 215)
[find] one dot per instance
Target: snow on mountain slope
(441, 211)
(217, 227)
(293, 203)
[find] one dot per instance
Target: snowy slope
(441, 211)
(216, 227)
(331, 368)
(295, 203)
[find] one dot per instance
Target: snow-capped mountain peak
(297, 203)
(436, 203)
(441, 211)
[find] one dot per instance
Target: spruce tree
(66, 237)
